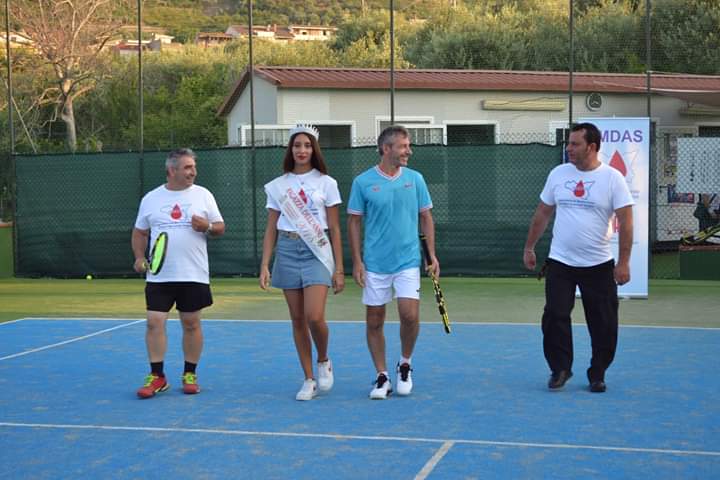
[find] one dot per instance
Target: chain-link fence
(154, 76)
(75, 212)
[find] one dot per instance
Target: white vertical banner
(625, 146)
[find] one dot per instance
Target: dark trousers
(599, 296)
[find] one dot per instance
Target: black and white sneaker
(404, 379)
(381, 387)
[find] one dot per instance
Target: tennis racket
(157, 254)
(701, 236)
(439, 297)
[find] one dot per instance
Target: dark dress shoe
(558, 379)
(598, 386)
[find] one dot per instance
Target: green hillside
(183, 18)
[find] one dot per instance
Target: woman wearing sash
(304, 220)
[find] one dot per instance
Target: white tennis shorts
(379, 286)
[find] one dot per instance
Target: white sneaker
(404, 379)
(381, 387)
(325, 376)
(308, 391)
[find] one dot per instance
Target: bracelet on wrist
(209, 230)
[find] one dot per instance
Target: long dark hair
(317, 160)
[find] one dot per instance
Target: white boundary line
(94, 319)
(76, 339)
(332, 436)
(479, 324)
(12, 321)
(430, 465)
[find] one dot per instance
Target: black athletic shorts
(186, 296)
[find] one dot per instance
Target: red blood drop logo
(176, 213)
(579, 189)
(618, 164)
(302, 195)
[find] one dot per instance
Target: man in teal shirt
(390, 198)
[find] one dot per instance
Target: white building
(461, 106)
(351, 106)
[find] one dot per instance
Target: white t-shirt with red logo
(585, 205)
(317, 190)
(171, 211)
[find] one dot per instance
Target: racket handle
(426, 250)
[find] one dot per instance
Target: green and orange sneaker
(153, 384)
(189, 383)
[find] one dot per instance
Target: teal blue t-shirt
(390, 207)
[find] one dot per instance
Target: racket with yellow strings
(157, 254)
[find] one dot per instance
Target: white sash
(300, 216)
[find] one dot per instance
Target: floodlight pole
(251, 73)
(648, 56)
(141, 100)
(11, 126)
(392, 62)
(571, 67)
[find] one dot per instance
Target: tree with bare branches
(70, 36)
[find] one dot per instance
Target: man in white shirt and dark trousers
(584, 194)
(189, 214)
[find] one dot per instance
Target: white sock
(405, 360)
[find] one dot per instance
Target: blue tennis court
(480, 407)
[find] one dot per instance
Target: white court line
(84, 319)
(478, 324)
(12, 321)
(332, 436)
(76, 339)
(430, 465)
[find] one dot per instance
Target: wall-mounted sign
(593, 101)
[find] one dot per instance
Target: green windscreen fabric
(75, 213)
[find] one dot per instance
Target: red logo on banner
(618, 163)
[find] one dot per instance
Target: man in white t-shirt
(711, 204)
(585, 195)
(189, 215)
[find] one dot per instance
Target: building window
(335, 136)
(422, 132)
(265, 135)
(425, 135)
(481, 134)
(331, 136)
(561, 136)
(709, 131)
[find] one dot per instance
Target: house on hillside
(158, 42)
(129, 47)
(283, 34)
(17, 40)
(212, 39)
(163, 38)
(312, 32)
